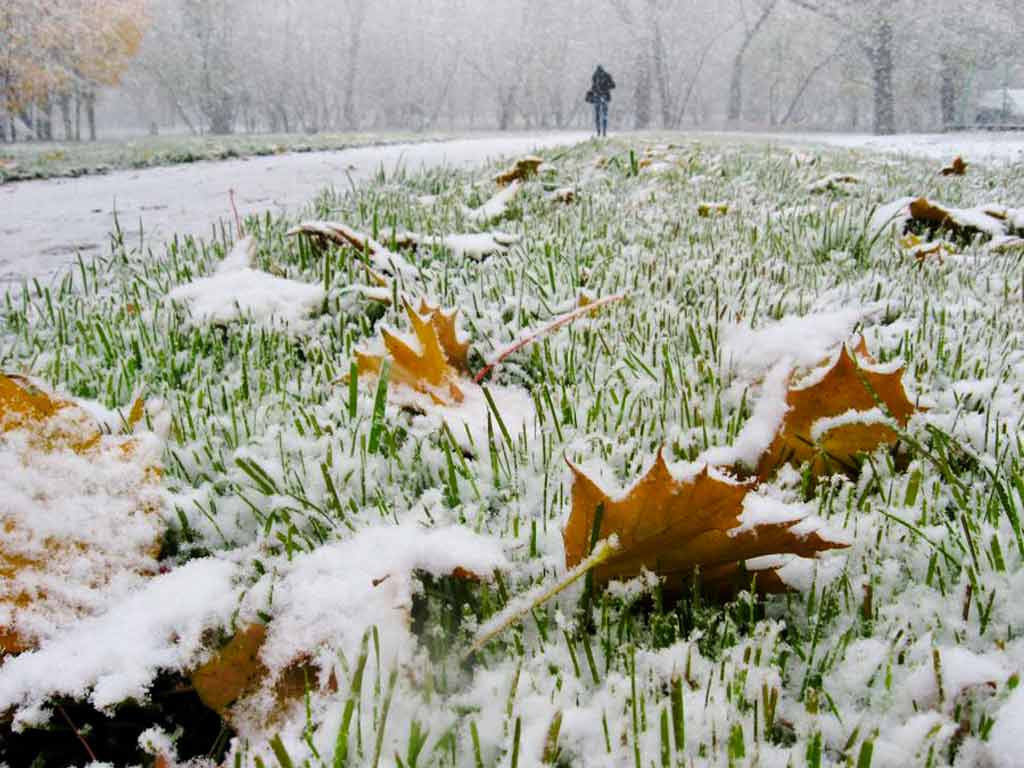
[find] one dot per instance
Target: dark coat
(602, 86)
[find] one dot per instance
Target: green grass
(266, 446)
(43, 160)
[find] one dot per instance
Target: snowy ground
(973, 146)
(44, 223)
(343, 534)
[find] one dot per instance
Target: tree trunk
(90, 113)
(947, 92)
(357, 13)
(881, 76)
(78, 115)
(65, 113)
(736, 79)
(642, 91)
(736, 86)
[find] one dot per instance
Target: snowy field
(43, 224)
(675, 453)
(974, 146)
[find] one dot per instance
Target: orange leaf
(675, 528)
(426, 370)
(523, 169)
(956, 168)
(846, 387)
(23, 405)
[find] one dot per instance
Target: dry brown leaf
(524, 168)
(956, 168)
(846, 387)
(675, 528)
(427, 370)
(236, 671)
(990, 221)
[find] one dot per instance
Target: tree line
(221, 66)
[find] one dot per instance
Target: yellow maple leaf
(28, 556)
(675, 528)
(846, 390)
(444, 324)
(426, 370)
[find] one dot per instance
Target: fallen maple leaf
(427, 370)
(23, 405)
(524, 168)
(52, 569)
(675, 528)
(456, 350)
(831, 420)
(956, 168)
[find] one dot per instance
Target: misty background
(112, 68)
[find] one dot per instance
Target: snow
(806, 341)
(1007, 735)
(329, 597)
(496, 206)
(973, 146)
(821, 427)
(762, 426)
(236, 291)
(475, 245)
(81, 528)
(116, 656)
(44, 223)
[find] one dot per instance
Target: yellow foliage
(427, 370)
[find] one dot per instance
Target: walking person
(599, 95)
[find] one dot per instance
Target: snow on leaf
(496, 207)
(427, 370)
(79, 512)
(383, 260)
(830, 421)
(524, 168)
(675, 528)
(836, 182)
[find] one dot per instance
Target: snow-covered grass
(290, 492)
(43, 160)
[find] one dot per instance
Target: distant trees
(217, 66)
(58, 55)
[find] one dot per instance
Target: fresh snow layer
(320, 602)
(973, 146)
(805, 341)
(328, 598)
(116, 656)
(43, 224)
(85, 524)
(235, 291)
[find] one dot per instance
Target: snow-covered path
(43, 223)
